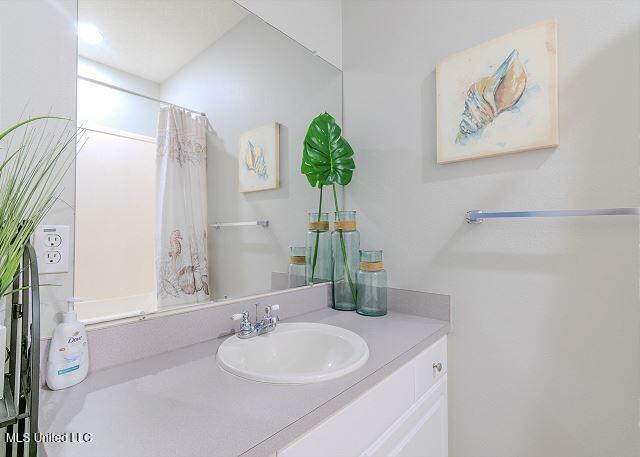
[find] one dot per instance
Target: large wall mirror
(163, 191)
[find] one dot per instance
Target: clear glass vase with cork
(319, 261)
(345, 243)
(372, 285)
(298, 266)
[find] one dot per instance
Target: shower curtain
(181, 220)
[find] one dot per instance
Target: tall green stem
(344, 250)
(315, 250)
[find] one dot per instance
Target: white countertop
(181, 403)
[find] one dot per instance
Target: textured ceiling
(155, 38)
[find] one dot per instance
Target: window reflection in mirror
(152, 179)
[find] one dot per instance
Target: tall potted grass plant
(35, 154)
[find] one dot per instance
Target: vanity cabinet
(421, 431)
(405, 415)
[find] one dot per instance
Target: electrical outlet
(51, 243)
(53, 240)
(53, 257)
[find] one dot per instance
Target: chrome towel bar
(477, 216)
(220, 225)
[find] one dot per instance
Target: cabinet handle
(437, 366)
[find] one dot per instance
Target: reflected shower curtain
(181, 220)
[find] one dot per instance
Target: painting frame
(544, 132)
(259, 159)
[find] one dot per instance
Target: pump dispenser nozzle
(70, 315)
(71, 302)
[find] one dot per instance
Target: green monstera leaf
(327, 158)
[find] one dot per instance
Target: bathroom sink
(295, 353)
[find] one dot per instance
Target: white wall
(544, 353)
(127, 150)
(113, 108)
(115, 224)
(252, 76)
(38, 76)
(316, 24)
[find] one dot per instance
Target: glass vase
(320, 262)
(298, 266)
(345, 243)
(372, 285)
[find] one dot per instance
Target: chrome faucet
(267, 324)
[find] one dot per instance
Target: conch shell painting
(254, 161)
(492, 95)
(499, 97)
(258, 167)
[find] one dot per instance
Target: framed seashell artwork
(258, 159)
(499, 97)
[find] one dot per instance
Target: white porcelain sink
(296, 353)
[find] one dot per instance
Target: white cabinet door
(405, 415)
(430, 366)
(352, 429)
(421, 431)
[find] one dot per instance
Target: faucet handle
(237, 316)
(268, 309)
(245, 325)
(269, 316)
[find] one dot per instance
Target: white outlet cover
(51, 243)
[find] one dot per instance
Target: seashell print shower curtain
(181, 220)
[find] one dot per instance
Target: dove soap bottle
(69, 351)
